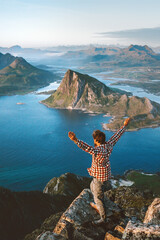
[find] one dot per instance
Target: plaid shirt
(100, 168)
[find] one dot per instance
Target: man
(100, 169)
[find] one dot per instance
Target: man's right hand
(126, 122)
(72, 136)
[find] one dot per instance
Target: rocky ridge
(76, 222)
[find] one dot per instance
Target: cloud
(149, 35)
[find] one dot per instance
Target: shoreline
(84, 110)
(130, 130)
(105, 128)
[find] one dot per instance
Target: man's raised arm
(84, 146)
(113, 140)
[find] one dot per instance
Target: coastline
(24, 92)
(129, 130)
(104, 125)
(84, 110)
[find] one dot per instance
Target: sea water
(34, 143)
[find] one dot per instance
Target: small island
(20, 103)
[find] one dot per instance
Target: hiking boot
(93, 205)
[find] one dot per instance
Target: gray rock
(149, 229)
(50, 236)
(153, 212)
(138, 230)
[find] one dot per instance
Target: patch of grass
(141, 181)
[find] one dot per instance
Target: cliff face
(79, 91)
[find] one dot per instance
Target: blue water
(34, 144)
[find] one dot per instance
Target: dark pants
(97, 189)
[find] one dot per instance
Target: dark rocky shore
(63, 211)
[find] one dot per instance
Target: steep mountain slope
(20, 76)
(6, 59)
(79, 91)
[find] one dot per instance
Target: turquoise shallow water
(34, 144)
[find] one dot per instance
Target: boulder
(67, 184)
(153, 213)
(137, 230)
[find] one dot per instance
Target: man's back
(100, 167)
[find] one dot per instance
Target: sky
(46, 23)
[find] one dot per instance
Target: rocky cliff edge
(76, 222)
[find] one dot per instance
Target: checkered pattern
(100, 168)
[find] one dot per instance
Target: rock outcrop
(76, 221)
(67, 184)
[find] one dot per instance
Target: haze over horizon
(39, 23)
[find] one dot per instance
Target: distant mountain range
(80, 91)
(102, 55)
(134, 55)
(18, 76)
(27, 52)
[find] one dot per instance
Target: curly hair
(99, 136)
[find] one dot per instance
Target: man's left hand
(72, 136)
